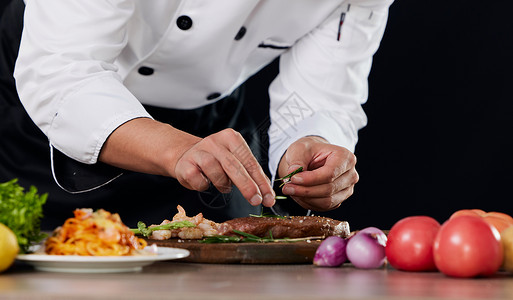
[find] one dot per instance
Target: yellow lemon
(8, 247)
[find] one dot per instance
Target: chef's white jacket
(85, 67)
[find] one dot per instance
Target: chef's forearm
(147, 146)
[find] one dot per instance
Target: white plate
(99, 264)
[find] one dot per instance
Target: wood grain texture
(245, 253)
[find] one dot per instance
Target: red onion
(366, 249)
(331, 252)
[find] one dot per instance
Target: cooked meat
(291, 227)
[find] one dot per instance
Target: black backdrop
(440, 132)
(440, 109)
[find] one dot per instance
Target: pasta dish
(97, 233)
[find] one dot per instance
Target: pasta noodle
(98, 233)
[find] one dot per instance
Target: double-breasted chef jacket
(86, 67)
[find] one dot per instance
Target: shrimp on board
(204, 227)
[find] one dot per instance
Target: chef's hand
(328, 176)
(148, 146)
(224, 158)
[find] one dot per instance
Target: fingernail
(296, 179)
(288, 190)
(256, 200)
(269, 200)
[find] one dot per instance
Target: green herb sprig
(22, 211)
(285, 179)
(145, 231)
(267, 215)
(250, 238)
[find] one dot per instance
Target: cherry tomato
(467, 246)
(410, 244)
(498, 220)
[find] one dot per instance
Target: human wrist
(179, 142)
(147, 146)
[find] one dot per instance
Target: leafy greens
(22, 211)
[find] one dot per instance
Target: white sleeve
(65, 72)
(322, 81)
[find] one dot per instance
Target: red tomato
(467, 246)
(498, 220)
(410, 244)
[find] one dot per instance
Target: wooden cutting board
(245, 253)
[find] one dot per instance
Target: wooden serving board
(244, 253)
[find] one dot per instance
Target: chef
(140, 102)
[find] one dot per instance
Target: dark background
(440, 131)
(440, 109)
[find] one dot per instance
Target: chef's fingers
(348, 179)
(325, 203)
(190, 175)
(240, 177)
(242, 152)
(334, 162)
(213, 170)
(197, 163)
(235, 156)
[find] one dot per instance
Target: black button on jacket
(184, 22)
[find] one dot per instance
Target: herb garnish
(146, 231)
(267, 215)
(287, 177)
(250, 238)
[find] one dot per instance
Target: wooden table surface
(179, 280)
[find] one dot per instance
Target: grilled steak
(291, 227)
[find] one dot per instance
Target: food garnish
(22, 211)
(267, 215)
(244, 237)
(145, 231)
(285, 179)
